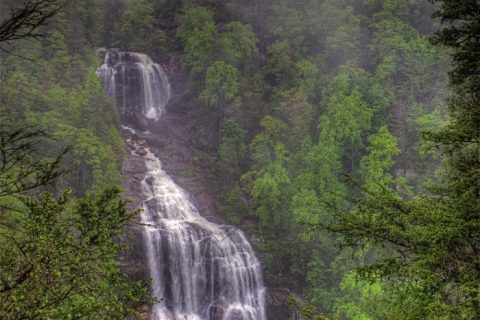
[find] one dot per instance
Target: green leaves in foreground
(58, 259)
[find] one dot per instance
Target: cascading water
(138, 85)
(200, 270)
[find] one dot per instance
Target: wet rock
(277, 304)
(141, 152)
(236, 315)
(133, 166)
(149, 181)
(216, 310)
(141, 120)
(158, 141)
(143, 313)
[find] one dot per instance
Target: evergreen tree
(434, 239)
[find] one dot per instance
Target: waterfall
(137, 85)
(199, 270)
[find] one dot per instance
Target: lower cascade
(199, 270)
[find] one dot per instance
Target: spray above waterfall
(200, 270)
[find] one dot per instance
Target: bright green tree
(433, 239)
(59, 256)
(198, 33)
(380, 158)
(238, 44)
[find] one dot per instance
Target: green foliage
(262, 148)
(238, 44)
(345, 118)
(430, 237)
(460, 39)
(221, 83)
(305, 76)
(306, 310)
(326, 270)
(76, 111)
(268, 187)
(280, 64)
(335, 89)
(197, 33)
(363, 300)
(136, 30)
(307, 207)
(59, 253)
(235, 205)
(58, 259)
(297, 112)
(344, 42)
(287, 23)
(89, 11)
(375, 166)
(232, 149)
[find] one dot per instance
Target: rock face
(180, 145)
(202, 270)
(278, 306)
(183, 146)
(133, 170)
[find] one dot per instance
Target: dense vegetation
(61, 215)
(59, 254)
(319, 108)
(52, 84)
(328, 123)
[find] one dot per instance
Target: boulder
(141, 152)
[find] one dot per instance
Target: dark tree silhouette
(19, 170)
(24, 21)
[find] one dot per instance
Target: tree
(460, 38)
(232, 149)
(346, 118)
(286, 23)
(238, 44)
(271, 192)
(343, 43)
(280, 63)
(25, 21)
(221, 86)
(433, 239)
(197, 33)
(59, 254)
(262, 148)
(221, 83)
(19, 171)
(297, 113)
(380, 158)
(58, 257)
(136, 30)
(305, 76)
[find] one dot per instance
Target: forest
(341, 136)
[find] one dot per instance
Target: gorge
(199, 270)
(137, 137)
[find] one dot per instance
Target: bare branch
(20, 172)
(24, 22)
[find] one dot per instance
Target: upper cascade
(139, 86)
(199, 270)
